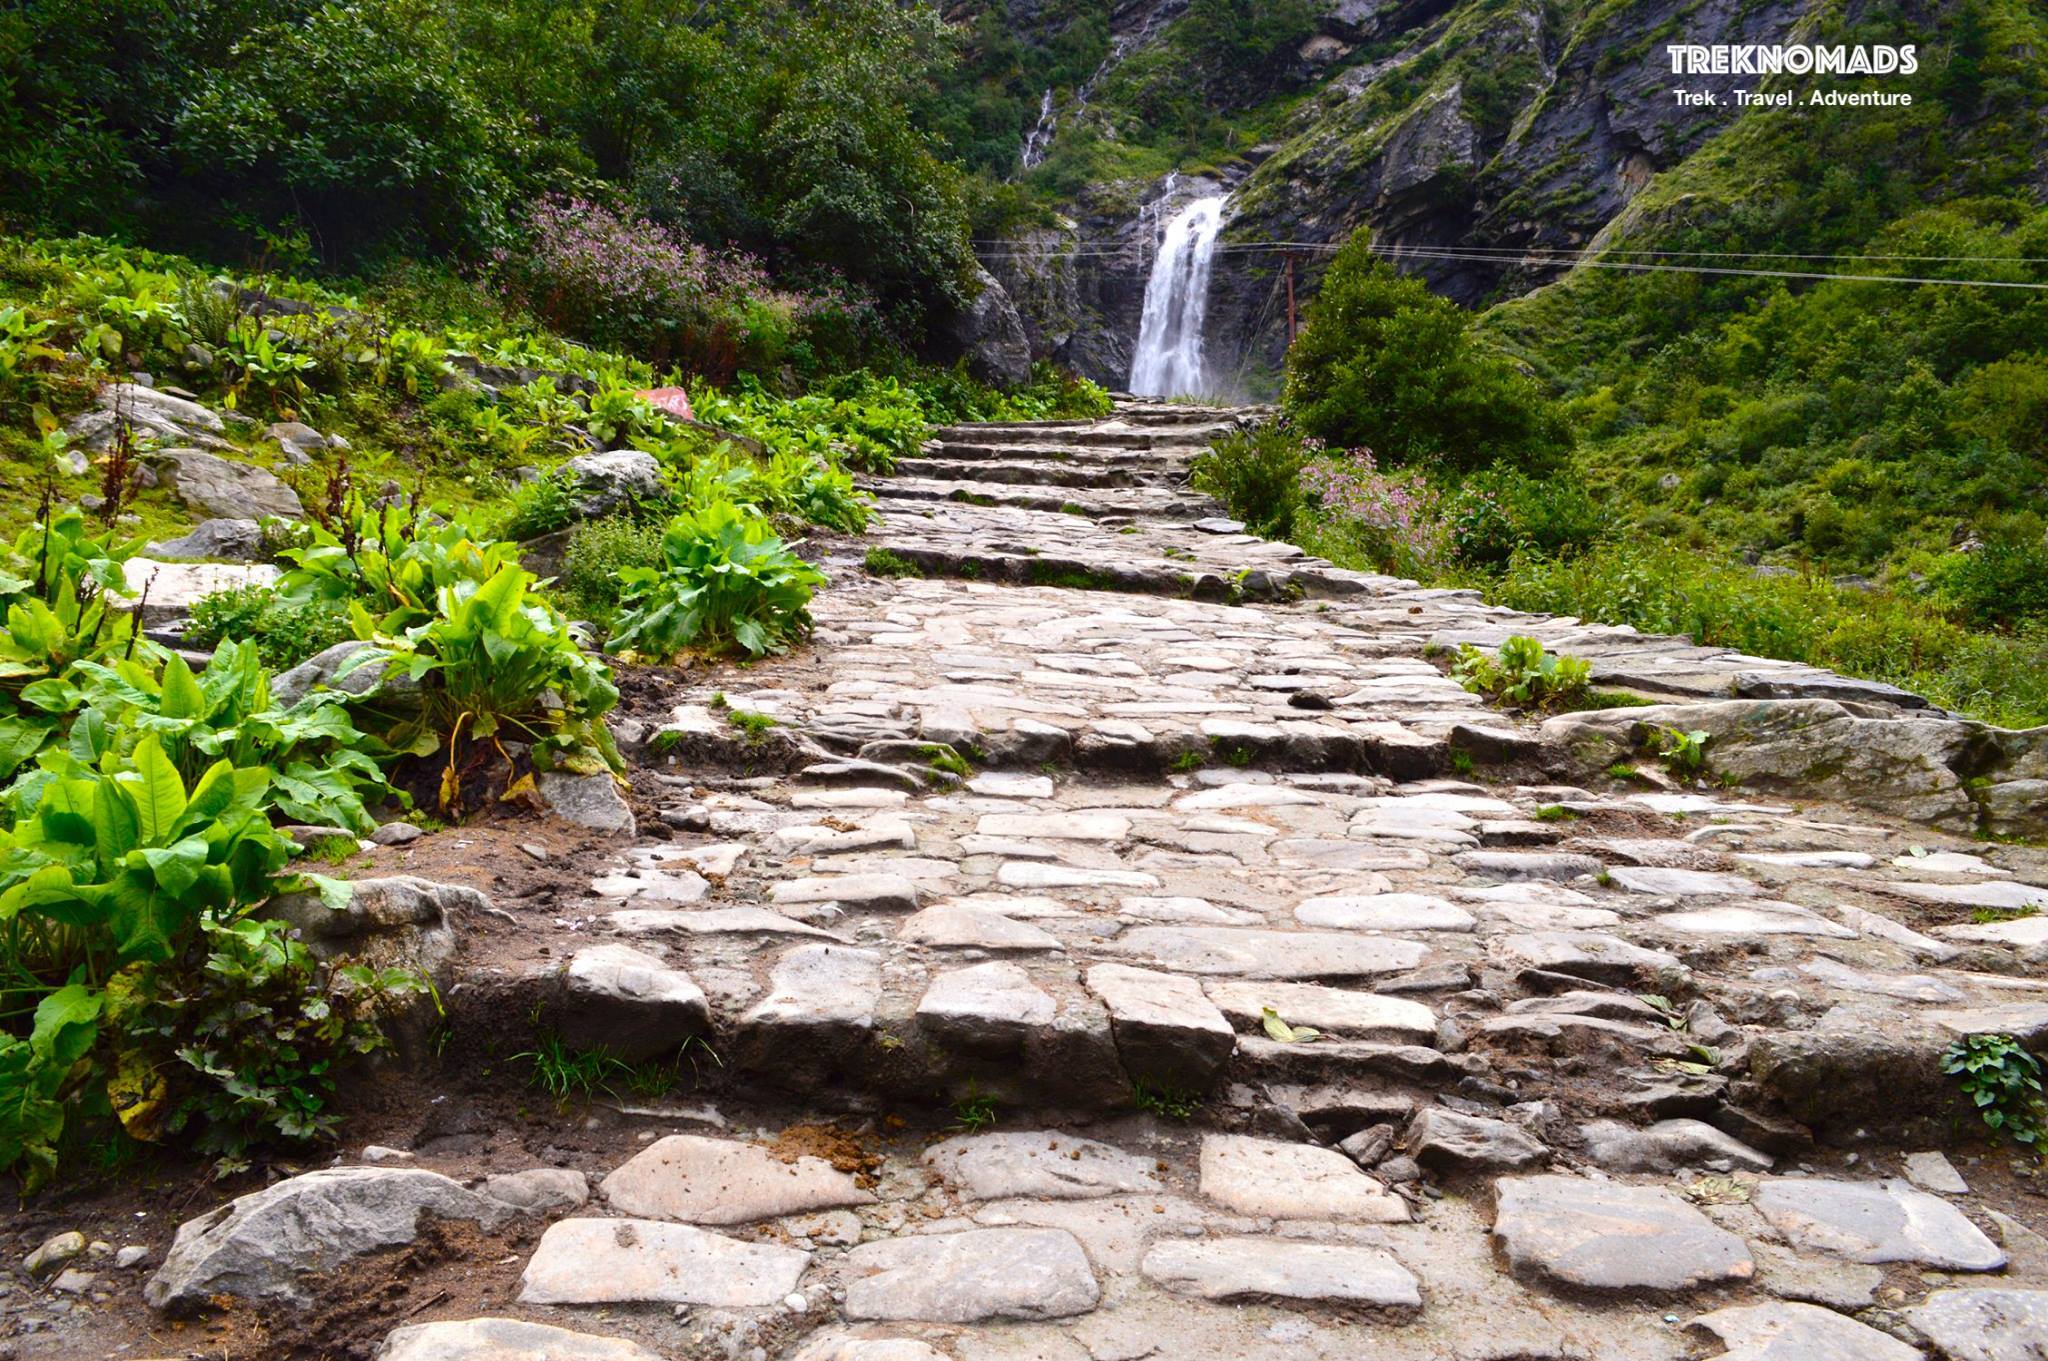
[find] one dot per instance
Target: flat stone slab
(627, 1261)
(1057, 826)
(838, 1346)
(1668, 1145)
(985, 1006)
(953, 927)
(1166, 1029)
(505, 1339)
(1454, 1141)
(1334, 1011)
(633, 1004)
(1277, 1269)
(1592, 955)
(1384, 912)
(1753, 920)
(1254, 953)
(697, 1180)
(821, 985)
(865, 892)
(1009, 1273)
(1985, 1325)
(1602, 1236)
(1293, 1181)
(1043, 1166)
(1034, 874)
(1677, 883)
(2004, 896)
(1798, 1332)
(1875, 1222)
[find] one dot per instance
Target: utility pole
(1290, 300)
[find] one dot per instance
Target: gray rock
(505, 1339)
(1516, 865)
(396, 834)
(1334, 1011)
(1931, 1171)
(608, 482)
(241, 540)
(1006, 1273)
(840, 1347)
(1448, 1140)
(1798, 1332)
(591, 801)
(852, 892)
(1253, 953)
(400, 921)
(1276, 1180)
(1167, 1031)
(990, 335)
(1679, 883)
(1042, 1166)
(223, 487)
(985, 1008)
(1263, 1268)
(1985, 1325)
(1875, 1222)
(1591, 955)
(263, 1245)
(1844, 1286)
(298, 440)
(721, 1181)
(539, 1189)
(952, 926)
(173, 588)
(628, 1261)
(1599, 1236)
(150, 413)
(1667, 1146)
(633, 1004)
(354, 668)
(54, 1252)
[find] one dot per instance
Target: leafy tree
(1383, 362)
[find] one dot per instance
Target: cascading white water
(1040, 137)
(1168, 360)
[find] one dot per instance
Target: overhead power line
(1491, 255)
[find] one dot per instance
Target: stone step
(1155, 503)
(1120, 436)
(1056, 452)
(1045, 473)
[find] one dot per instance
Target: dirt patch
(836, 1145)
(452, 1270)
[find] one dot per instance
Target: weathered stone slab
(633, 1004)
(1083, 826)
(1032, 874)
(821, 986)
(1334, 1011)
(1591, 955)
(985, 1007)
(1668, 1145)
(851, 892)
(1042, 1166)
(629, 1261)
(1009, 1273)
(1985, 1325)
(1384, 912)
(1521, 865)
(1292, 1181)
(1271, 954)
(1167, 1031)
(1275, 1269)
(841, 1347)
(1451, 1140)
(721, 1181)
(1677, 883)
(950, 926)
(505, 1339)
(1798, 1332)
(1875, 1222)
(1599, 1236)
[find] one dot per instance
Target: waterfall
(1039, 139)
(1168, 360)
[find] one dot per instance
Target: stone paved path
(1576, 1037)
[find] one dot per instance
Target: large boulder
(220, 486)
(264, 1245)
(991, 336)
(238, 539)
(1931, 769)
(401, 921)
(609, 482)
(173, 588)
(149, 414)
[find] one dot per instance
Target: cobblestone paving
(1585, 1058)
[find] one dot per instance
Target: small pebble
(133, 1255)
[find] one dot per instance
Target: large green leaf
(181, 696)
(158, 792)
(65, 1024)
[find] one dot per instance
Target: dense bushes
(1382, 362)
(724, 582)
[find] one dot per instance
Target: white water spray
(1039, 140)
(1168, 361)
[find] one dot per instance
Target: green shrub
(2001, 582)
(1383, 363)
(134, 983)
(1523, 674)
(599, 551)
(726, 582)
(284, 632)
(543, 505)
(1256, 474)
(391, 563)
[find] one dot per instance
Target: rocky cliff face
(1439, 125)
